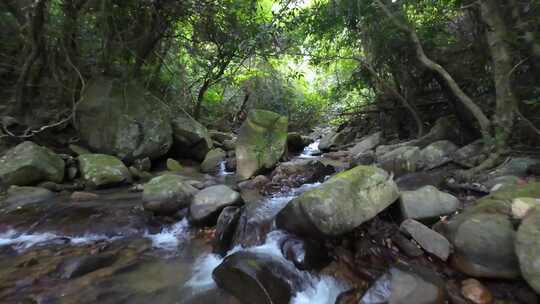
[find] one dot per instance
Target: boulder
(427, 203)
(341, 204)
(28, 164)
(208, 203)
(437, 154)
(407, 285)
(173, 165)
(517, 166)
(220, 137)
(400, 161)
(212, 160)
(523, 206)
(305, 254)
(470, 155)
(296, 142)
(257, 278)
(100, 170)
(20, 196)
(167, 194)
(122, 119)
(190, 138)
(225, 228)
(528, 249)
(428, 239)
(301, 171)
(261, 142)
(336, 139)
(366, 144)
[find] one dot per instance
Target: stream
(140, 259)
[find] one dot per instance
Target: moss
(101, 170)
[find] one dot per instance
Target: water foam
(170, 237)
(311, 150)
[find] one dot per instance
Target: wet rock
(428, 239)
(100, 170)
(212, 160)
(366, 144)
(336, 139)
(229, 145)
(51, 186)
(259, 182)
(416, 180)
(470, 155)
(475, 292)
(305, 254)
(20, 196)
(256, 220)
(501, 183)
(257, 278)
(364, 159)
(296, 142)
(406, 246)
(301, 171)
(406, 286)
(225, 228)
(261, 142)
(437, 154)
(400, 161)
(120, 118)
(190, 138)
(173, 165)
(208, 203)
(427, 203)
(341, 204)
(83, 196)
(72, 172)
(483, 245)
(167, 194)
(79, 266)
(515, 166)
(528, 249)
(28, 164)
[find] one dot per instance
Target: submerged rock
(257, 278)
(341, 204)
(208, 203)
(121, 118)
(528, 249)
(191, 138)
(79, 266)
(167, 194)
(20, 196)
(28, 164)
(100, 170)
(261, 142)
(427, 203)
(212, 160)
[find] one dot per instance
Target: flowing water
(157, 263)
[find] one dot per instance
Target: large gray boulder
(335, 139)
(208, 203)
(212, 160)
(257, 278)
(28, 164)
(366, 144)
(100, 170)
(191, 139)
(528, 249)
(405, 159)
(167, 194)
(261, 142)
(427, 203)
(437, 154)
(121, 118)
(20, 196)
(341, 204)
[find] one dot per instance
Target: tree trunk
(200, 99)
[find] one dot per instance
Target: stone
(257, 278)
(528, 249)
(220, 136)
(437, 154)
(296, 142)
(470, 155)
(79, 196)
(364, 159)
(400, 161)
(173, 165)
(261, 142)
(301, 171)
(366, 144)
(190, 138)
(144, 164)
(229, 145)
(475, 292)
(501, 183)
(522, 206)
(28, 164)
(336, 139)
(20, 196)
(212, 160)
(166, 194)
(78, 266)
(534, 169)
(305, 254)
(121, 118)
(406, 246)
(225, 228)
(340, 204)
(78, 150)
(100, 170)
(515, 166)
(428, 239)
(427, 203)
(208, 203)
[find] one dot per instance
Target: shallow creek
(141, 260)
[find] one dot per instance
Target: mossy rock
(191, 138)
(341, 204)
(167, 194)
(100, 170)
(528, 249)
(261, 142)
(28, 164)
